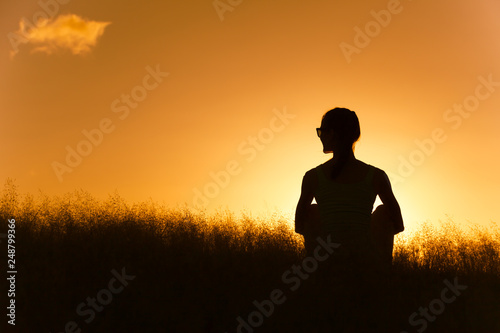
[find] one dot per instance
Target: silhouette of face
(328, 140)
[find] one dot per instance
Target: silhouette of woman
(345, 189)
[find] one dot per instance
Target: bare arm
(384, 191)
(305, 200)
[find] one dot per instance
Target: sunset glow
(210, 106)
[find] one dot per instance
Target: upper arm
(384, 191)
(307, 189)
(305, 200)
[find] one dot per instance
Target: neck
(347, 155)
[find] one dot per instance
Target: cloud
(66, 32)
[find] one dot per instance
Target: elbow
(391, 214)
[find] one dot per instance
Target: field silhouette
(195, 272)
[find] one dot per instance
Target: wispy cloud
(65, 32)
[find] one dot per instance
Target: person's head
(339, 130)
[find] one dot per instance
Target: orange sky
(174, 95)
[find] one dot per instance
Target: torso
(345, 204)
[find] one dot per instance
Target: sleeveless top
(345, 208)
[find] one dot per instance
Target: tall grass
(197, 272)
(445, 246)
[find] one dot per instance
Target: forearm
(300, 220)
(395, 215)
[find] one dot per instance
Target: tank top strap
(321, 176)
(369, 175)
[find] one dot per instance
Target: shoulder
(377, 173)
(379, 176)
(380, 179)
(311, 174)
(311, 178)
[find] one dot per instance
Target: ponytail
(339, 165)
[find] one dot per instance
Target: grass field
(108, 266)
